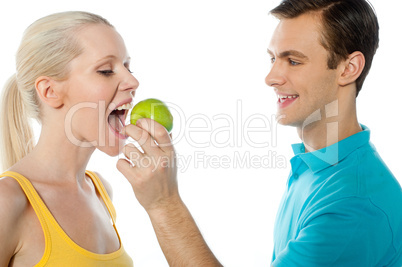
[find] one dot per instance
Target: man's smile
(284, 100)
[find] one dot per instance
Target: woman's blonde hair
(47, 46)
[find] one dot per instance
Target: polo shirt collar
(331, 155)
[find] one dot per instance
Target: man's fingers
(132, 153)
(142, 137)
(126, 168)
(133, 173)
(158, 133)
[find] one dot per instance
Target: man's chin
(286, 121)
(282, 119)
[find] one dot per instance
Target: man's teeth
(125, 106)
(287, 96)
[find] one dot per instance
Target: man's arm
(180, 238)
(153, 176)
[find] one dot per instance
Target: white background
(209, 57)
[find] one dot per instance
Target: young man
(342, 206)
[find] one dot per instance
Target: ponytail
(17, 138)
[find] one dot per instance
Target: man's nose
(275, 76)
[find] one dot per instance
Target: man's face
(299, 73)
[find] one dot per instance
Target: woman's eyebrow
(106, 57)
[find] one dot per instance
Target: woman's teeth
(117, 117)
(125, 106)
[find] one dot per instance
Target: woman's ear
(49, 91)
(351, 68)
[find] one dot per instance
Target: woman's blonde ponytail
(17, 137)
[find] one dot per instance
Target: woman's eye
(106, 72)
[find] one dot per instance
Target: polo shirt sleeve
(346, 232)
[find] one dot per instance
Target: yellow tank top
(60, 250)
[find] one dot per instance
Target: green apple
(153, 109)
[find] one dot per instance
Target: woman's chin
(113, 143)
(112, 151)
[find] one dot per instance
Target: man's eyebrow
(289, 53)
(270, 52)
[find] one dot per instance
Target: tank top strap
(36, 203)
(103, 193)
(60, 249)
(30, 193)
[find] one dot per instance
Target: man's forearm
(179, 237)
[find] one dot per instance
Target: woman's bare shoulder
(12, 197)
(13, 205)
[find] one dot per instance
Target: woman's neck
(56, 157)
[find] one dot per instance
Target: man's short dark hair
(348, 26)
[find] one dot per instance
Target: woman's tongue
(116, 120)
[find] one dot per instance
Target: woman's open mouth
(117, 117)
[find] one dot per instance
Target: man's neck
(335, 122)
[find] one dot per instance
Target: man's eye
(272, 60)
(106, 72)
(293, 63)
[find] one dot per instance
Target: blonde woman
(53, 212)
(73, 76)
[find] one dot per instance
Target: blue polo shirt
(342, 207)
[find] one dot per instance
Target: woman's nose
(129, 83)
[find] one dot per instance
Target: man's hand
(152, 173)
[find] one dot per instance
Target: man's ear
(351, 68)
(49, 91)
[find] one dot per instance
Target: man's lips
(284, 100)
